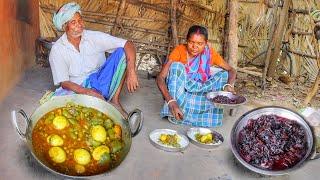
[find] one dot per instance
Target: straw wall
(144, 22)
(147, 23)
(299, 57)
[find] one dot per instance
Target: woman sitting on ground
(188, 76)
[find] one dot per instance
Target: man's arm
(80, 90)
(132, 79)
(105, 42)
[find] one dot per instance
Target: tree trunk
(118, 17)
(278, 36)
(233, 33)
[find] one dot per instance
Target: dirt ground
(144, 160)
(289, 95)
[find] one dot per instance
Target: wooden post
(173, 20)
(118, 16)
(233, 33)
(270, 45)
(278, 36)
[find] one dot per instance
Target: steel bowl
(231, 108)
(212, 95)
(268, 110)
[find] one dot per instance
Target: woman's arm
(161, 78)
(231, 72)
(231, 76)
(80, 90)
(216, 59)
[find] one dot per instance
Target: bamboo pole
(299, 11)
(118, 16)
(300, 54)
(148, 6)
(233, 33)
(313, 90)
(225, 32)
(251, 1)
(150, 43)
(315, 86)
(278, 34)
(173, 17)
(301, 33)
(254, 73)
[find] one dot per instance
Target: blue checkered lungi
(191, 97)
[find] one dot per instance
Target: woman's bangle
(170, 101)
(226, 86)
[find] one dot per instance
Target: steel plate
(155, 135)
(193, 131)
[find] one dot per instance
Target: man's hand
(94, 93)
(175, 110)
(132, 81)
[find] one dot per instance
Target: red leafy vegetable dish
(226, 100)
(272, 142)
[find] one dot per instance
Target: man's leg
(110, 78)
(115, 100)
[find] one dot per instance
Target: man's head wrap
(64, 14)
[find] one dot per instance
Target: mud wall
(19, 28)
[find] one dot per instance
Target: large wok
(267, 110)
(130, 127)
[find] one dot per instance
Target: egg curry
(77, 140)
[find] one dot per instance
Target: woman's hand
(175, 110)
(132, 81)
(92, 92)
(230, 89)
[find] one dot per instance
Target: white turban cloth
(65, 14)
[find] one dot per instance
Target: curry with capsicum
(77, 140)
